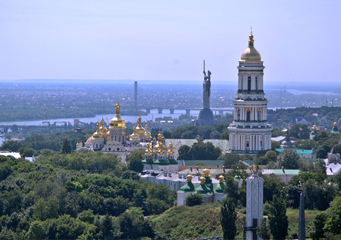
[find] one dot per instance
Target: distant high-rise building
(206, 117)
(250, 131)
(135, 94)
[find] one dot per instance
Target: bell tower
(250, 131)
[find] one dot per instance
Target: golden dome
(103, 129)
(139, 129)
(189, 178)
(134, 136)
(117, 121)
(251, 54)
(202, 181)
(170, 151)
(98, 133)
(148, 151)
(221, 179)
(206, 172)
(314, 127)
(159, 143)
(335, 124)
(162, 148)
(148, 134)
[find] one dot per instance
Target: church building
(250, 131)
(116, 140)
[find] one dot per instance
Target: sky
(168, 40)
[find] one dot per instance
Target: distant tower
(285, 92)
(250, 131)
(135, 94)
(206, 117)
(281, 97)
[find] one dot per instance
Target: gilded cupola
(148, 134)
(139, 129)
(103, 129)
(117, 121)
(159, 142)
(98, 133)
(251, 54)
(170, 151)
(134, 136)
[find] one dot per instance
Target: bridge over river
(188, 110)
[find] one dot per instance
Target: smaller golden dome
(148, 134)
(98, 133)
(117, 121)
(221, 179)
(206, 172)
(314, 127)
(159, 143)
(335, 124)
(162, 148)
(134, 136)
(170, 151)
(189, 178)
(148, 151)
(103, 129)
(79, 144)
(139, 129)
(202, 181)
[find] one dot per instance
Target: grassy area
(293, 218)
(203, 221)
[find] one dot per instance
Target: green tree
(193, 199)
(66, 146)
(317, 231)
(36, 231)
(232, 189)
(230, 159)
(136, 154)
(184, 153)
(264, 230)
(225, 134)
(135, 164)
(271, 155)
(333, 222)
(300, 131)
(278, 219)
(228, 217)
(289, 158)
(15, 128)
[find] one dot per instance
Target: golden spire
(103, 129)
(170, 151)
(149, 151)
(117, 121)
(148, 134)
(314, 127)
(251, 39)
(189, 178)
(335, 124)
(139, 129)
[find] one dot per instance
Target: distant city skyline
(168, 40)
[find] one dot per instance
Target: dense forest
(76, 196)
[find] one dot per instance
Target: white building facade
(250, 131)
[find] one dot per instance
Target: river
(151, 116)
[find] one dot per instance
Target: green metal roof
(299, 151)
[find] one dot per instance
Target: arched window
(238, 114)
(256, 82)
(249, 84)
(248, 113)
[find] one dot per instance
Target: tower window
(248, 113)
(249, 84)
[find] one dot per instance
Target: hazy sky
(299, 40)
